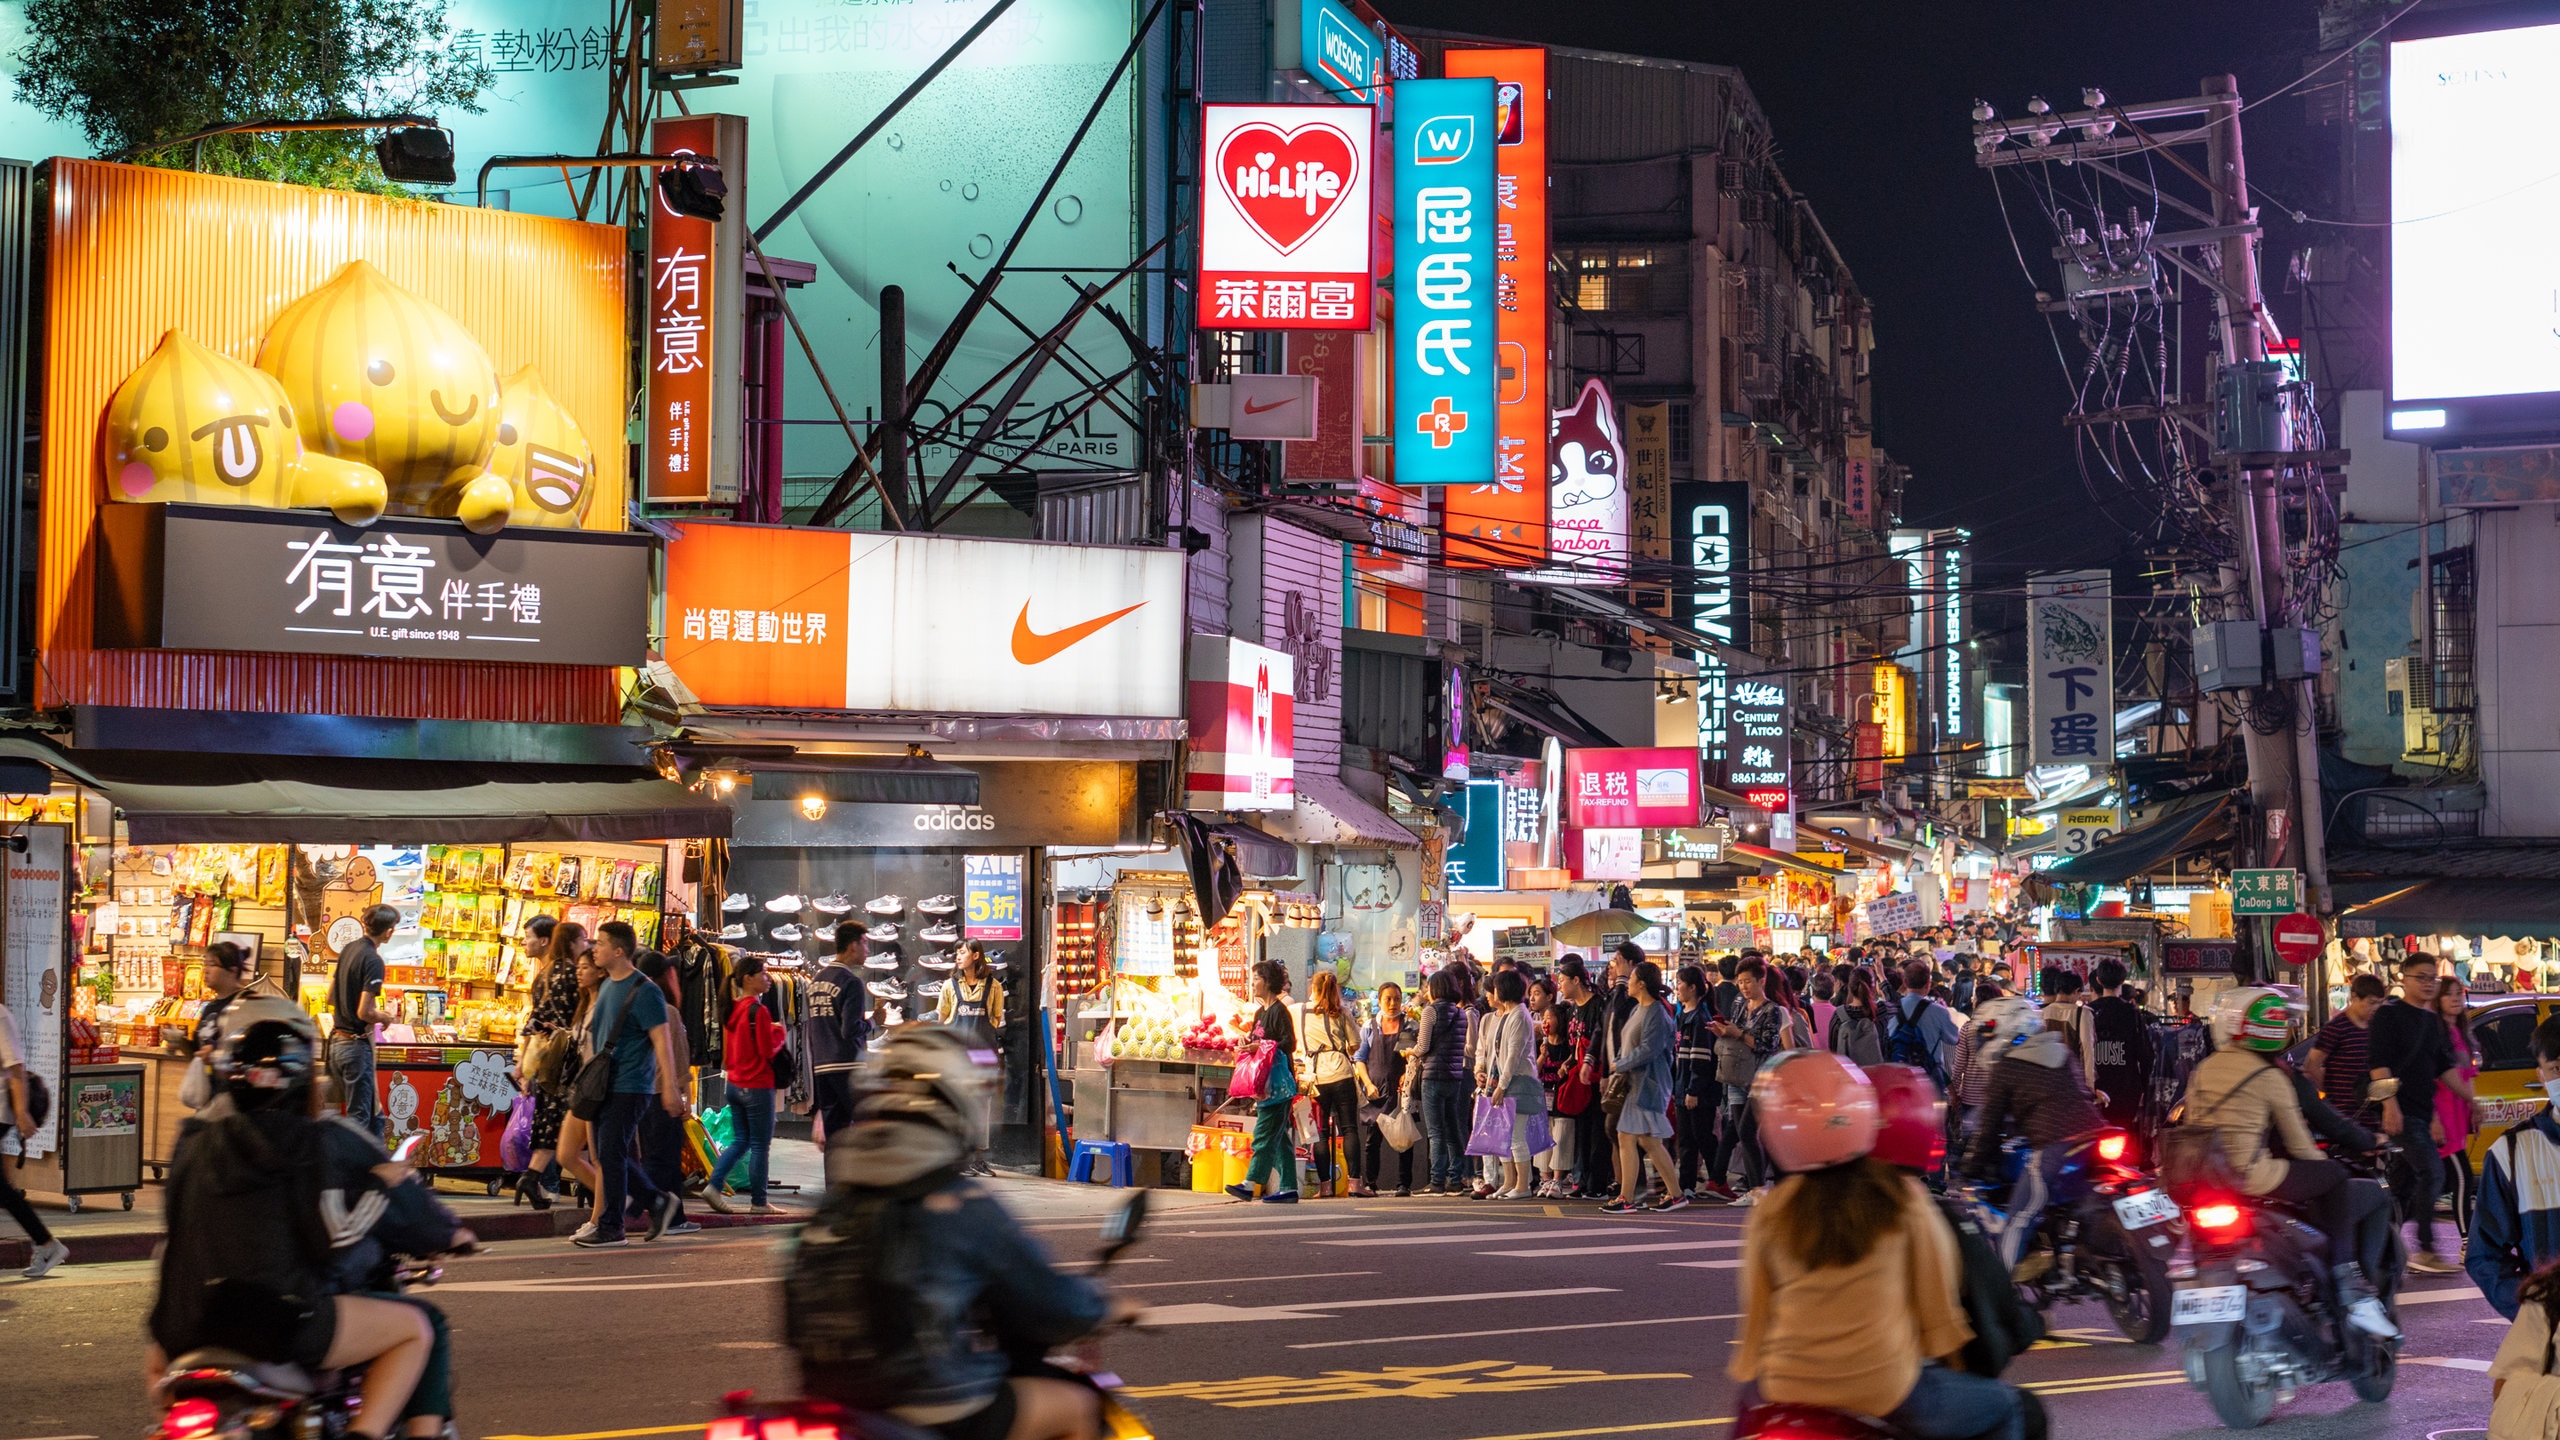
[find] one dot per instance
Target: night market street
(1516, 1321)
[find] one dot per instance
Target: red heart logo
(1286, 183)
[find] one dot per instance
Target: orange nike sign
(1030, 647)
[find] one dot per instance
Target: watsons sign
(1341, 53)
(1714, 521)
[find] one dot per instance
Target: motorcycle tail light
(2221, 1220)
(729, 1427)
(191, 1419)
(2112, 1145)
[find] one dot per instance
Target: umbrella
(1587, 929)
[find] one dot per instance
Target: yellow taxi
(2505, 1092)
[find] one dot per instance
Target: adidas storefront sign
(955, 818)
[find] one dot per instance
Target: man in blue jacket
(2516, 1229)
(839, 1020)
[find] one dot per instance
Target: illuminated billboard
(2474, 350)
(1285, 219)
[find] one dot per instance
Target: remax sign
(1341, 53)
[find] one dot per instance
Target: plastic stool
(1080, 1166)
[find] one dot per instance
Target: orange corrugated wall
(132, 252)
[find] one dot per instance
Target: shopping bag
(1492, 1135)
(722, 1126)
(1306, 1123)
(1541, 1139)
(515, 1147)
(1252, 1073)
(1400, 1128)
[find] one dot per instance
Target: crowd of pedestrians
(1625, 1083)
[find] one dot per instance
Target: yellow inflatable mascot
(192, 424)
(542, 454)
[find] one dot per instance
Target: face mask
(2552, 1089)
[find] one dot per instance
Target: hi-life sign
(1713, 521)
(1286, 219)
(1447, 363)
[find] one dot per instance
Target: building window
(1607, 352)
(1627, 277)
(2453, 602)
(1680, 434)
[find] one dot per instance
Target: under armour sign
(1447, 362)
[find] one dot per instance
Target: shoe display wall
(785, 904)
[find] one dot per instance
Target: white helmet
(2007, 1020)
(2238, 1014)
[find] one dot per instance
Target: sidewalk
(103, 1232)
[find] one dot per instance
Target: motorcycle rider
(2034, 1091)
(1849, 1272)
(912, 1291)
(280, 1222)
(2242, 1091)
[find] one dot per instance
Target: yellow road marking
(1409, 1382)
(2084, 1384)
(1555, 1212)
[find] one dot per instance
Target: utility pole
(2259, 580)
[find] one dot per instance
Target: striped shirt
(2344, 1042)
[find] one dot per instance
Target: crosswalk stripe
(2445, 1363)
(1522, 1330)
(2437, 1297)
(1702, 1264)
(1212, 1313)
(1473, 1239)
(1663, 1245)
(1347, 1227)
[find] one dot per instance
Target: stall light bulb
(813, 807)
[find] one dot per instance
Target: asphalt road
(1418, 1319)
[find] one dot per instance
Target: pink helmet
(1816, 1110)
(1911, 1126)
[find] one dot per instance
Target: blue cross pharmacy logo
(1444, 139)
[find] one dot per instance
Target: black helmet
(264, 1052)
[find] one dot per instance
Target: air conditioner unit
(2409, 692)
(1758, 377)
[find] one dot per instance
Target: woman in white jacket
(1510, 1058)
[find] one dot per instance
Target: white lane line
(2437, 1297)
(1246, 1280)
(1654, 1248)
(1346, 1229)
(2442, 1363)
(1524, 1330)
(594, 1287)
(1701, 1264)
(1207, 1313)
(1477, 1239)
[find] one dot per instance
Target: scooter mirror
(1120, 1228)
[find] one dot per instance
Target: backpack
(849, 1300)
(1905, 1043)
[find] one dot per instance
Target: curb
(556, 1223)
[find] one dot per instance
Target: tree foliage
(134, 73)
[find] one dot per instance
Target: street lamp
(690, 184)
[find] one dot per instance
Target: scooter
(211, 1393)
(2257, 1315)
(2107, 1235)
(744, 1419)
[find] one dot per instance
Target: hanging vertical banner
(1284, 216)
(39, 996)
(1509, 516)
(696, 306)
(1759, 753)
(1858, 479)
(1447, 363)
(1332, 359)
(1587, 491)
(1711, 530)
(1649, 499)
(2071, 671)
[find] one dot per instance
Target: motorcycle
(743, 1418)
(2107, 1234)
(2256, 1313)
(211, 1393)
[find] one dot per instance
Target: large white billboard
(2475, 209)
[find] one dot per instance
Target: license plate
(2145, 1208)
(2213, 1306)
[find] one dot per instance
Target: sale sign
(1630, 788)
(1284, 217)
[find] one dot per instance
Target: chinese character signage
(1757, 753)
(213, 577)
(948, 625)
(697, 288)
(1285, 217)
(1587, 491)
(1242, 727)
(1866, 760)
(1858, 478)
(2265, 892)
(1630, 789)
(1507, 519)
(1649, 497)
(1447, 361)
(1338, 52)
(994, 886)
(2071, 668)
(1711, 530)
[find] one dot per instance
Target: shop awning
(1259, 855)
(171, 798)
(2516, 909)
(1782, 860)
(1327, 813)
(2136, 851)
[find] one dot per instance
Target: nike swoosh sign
(1252, 409)
(1030, 647)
